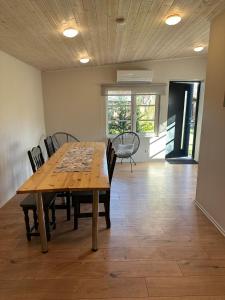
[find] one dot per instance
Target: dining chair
(126, 145)
(79, 198)
(108, 151)
(29, 205)
(49, 145)
(37, 160)
(60, 138)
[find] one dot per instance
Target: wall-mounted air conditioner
(134, 76)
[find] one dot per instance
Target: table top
(47, 180)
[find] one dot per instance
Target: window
(132, 112)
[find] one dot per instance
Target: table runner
(77, 159)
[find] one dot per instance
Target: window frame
(134, 115)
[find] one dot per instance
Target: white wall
(21, 121)
(73, 102)
(211, 179)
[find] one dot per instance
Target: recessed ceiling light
(84, 60)
(173, 20)
(198, 49)
(70, 32)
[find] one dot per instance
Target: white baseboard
(211, 219)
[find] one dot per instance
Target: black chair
(87, 197)
(37, 160)
(109, 151)
(49, 145)
(29, 204)
(60, 138)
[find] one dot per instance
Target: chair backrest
(112, 165)
(36, 158)
(50, 148)
(130, 139)
(60, 138)
(109, 145)
(108, 151)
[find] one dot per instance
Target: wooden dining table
(47, 179)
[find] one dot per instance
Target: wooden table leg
(41, 222)
(95, 220)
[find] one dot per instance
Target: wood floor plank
(111, 269)
(70, 269)
(215, 251)
(155, 253)
(114, 288)
(186, 286)
(66, 296)
(189, 298)
(170, 298)
(203, 267)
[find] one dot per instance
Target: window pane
(145, 126)
(145, 99)
(119, 112)
(116, 127)
(145, 112)
(119, 100)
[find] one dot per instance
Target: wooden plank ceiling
(31, 30)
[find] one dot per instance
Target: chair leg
(68, 208)
(133, 160)
(53, 217)
(35, 219)
(131, 169)
(27, 224)
(76, 212)
(107, 212)
(107, 215)
(47, 224)
(78, 208)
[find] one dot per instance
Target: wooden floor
(160, 246)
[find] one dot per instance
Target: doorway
(182, 120)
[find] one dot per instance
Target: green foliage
(142, 124)
(119, 118)
(119, 115)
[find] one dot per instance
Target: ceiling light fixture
(70, 32)
(173, 20)
(198, 49)
(84, 60)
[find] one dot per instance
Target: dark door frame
(197, 108)
(196, 117)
